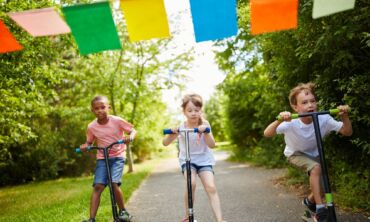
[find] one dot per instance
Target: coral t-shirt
(105, 134)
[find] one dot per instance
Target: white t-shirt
(200, 153)
(299, 136)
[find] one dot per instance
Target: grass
(65, 199)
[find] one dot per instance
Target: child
(301, 148)
(202, 160)
(105, 130)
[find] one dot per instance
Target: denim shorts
(116, 165)
(196, 168)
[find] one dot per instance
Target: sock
(319, 206)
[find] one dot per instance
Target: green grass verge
(64, 199)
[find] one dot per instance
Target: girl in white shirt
(202, 160)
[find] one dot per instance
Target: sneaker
(124, 216)
(321, 215)
(309, 205)
(89, 220)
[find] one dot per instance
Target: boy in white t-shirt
(299, 135)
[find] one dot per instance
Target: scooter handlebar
(78, 149)
(195, 130)
(296, 115)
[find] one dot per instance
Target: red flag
(7, 41)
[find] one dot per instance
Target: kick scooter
(328, 195)
(111, 191)
(188, 166)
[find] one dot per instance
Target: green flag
(92, 27)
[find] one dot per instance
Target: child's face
(192, 112)
(306, 102)
(101, 109)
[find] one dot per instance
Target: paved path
(247, 194)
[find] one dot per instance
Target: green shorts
(303, 161)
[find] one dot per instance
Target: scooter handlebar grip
(207, 130)
(292, 116)
(334, 111)
(167, 131)
(78, 150)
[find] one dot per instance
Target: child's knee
(210, 189)
(98, 188)
(316, 170)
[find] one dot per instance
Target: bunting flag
(7, 41)
(327, 7)
(273, 15)
(146, 19)
(213, 19)
(93, 27)
(40, 22)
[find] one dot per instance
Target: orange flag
(273, 15)
(7, 41)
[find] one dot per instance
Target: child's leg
(116, 166)
(312, 166)
(315, 184)
(119, 196)
(95, 199)
(208, 182)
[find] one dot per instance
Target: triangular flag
(93, 27)
(146, 19)
(273, 15)
(213, 19)
(327, 7)
(40, 22)
(7, 41)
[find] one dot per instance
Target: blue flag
(213, 19)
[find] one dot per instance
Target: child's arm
(346, 129)
(130, 137)
(169, 138)
(270, 130)
(90, 138)
(208, 137)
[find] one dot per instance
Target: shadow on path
(247, 194)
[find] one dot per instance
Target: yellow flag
(145, 19)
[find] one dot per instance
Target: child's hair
(306, 87)
(196, 100)
(99, 98)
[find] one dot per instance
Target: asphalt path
(247, 194)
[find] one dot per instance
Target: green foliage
(215, 115)
(63, 199)
(332, 52)
(46, 90)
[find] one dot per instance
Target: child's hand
(175, 130)
(285, 116)
(343, 110)
(84, 146)
(127, 139)
(202, 128)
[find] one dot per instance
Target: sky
(204, 75)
